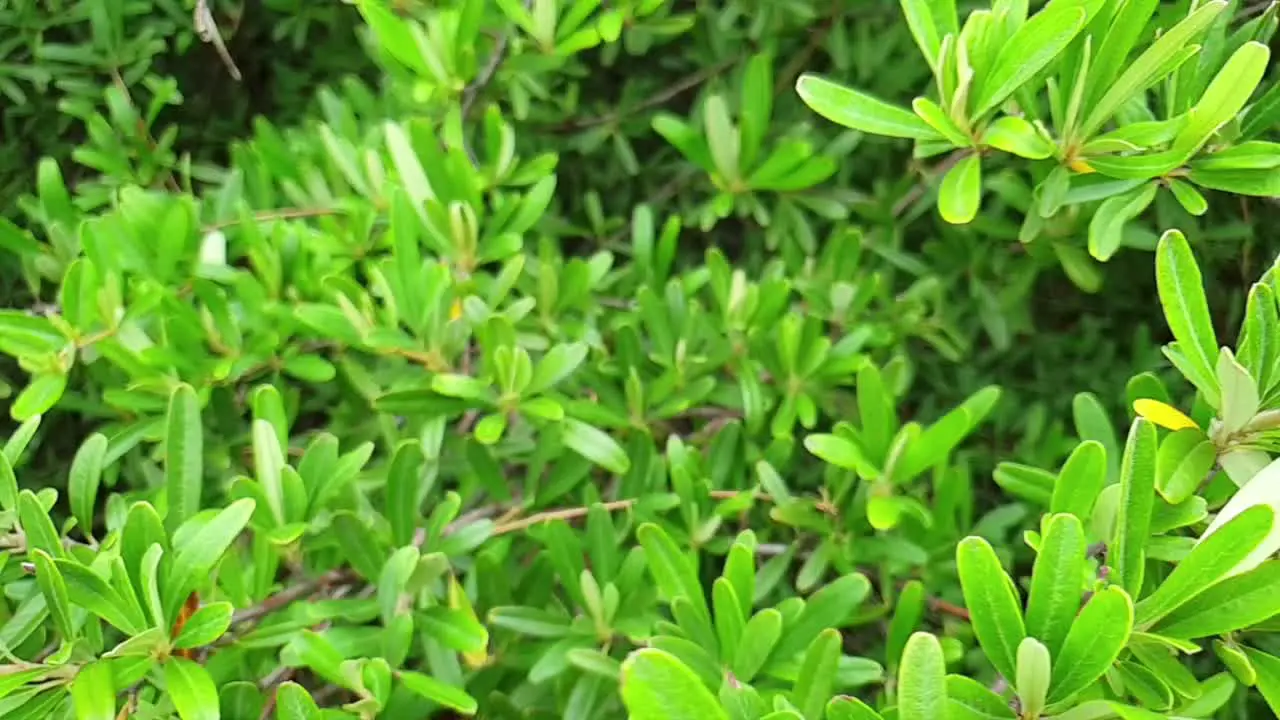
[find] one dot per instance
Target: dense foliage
(584, 359)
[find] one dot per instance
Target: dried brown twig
(207, 29)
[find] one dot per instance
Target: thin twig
(290, 595)
(661, 97)
(472, 92)
(271, 684)
(801, 59)
(268, 215)
(918, 190)
(485, 76)
(565, 514)
(207, 29)
(943, 607)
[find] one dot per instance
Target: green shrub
(500, 388)
(1068, 86)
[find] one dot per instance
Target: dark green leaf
(191, 690)
(183, 456)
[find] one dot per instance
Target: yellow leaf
(1163, 415)
(455, 311)
(458, 600)
(1082, 167)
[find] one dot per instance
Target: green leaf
(875, 411)
(92, 593)
(1128, 25)
(364, 550)
(268, 466)
(489, 430)
(1255, 155)
(657, 686)
(1166, 664)
(1212, 559)
(1255, 183)
(922, 680)
(927, 34)
(1188, 197)
(1185, 308)
(931, 113)
(16, 240)
(1223, 99)
(439, 692)
(191, 690)
(560, 362)
(1184, 461)
(908, 610)
(8, 484)
(183, 457)
(404, 487)
(85, 476)
(933, 445)
(1016, 136)
(729, 617)
(1126, 550)
(1056, 581)
(393, 34)
(859, 111)
(1093, 422)
(1106, 229)
(759, 636)
(55, 593)
(671, 568)
(327, 321)
(1080, 480)
(841, 452)
(1033, 679)
(993, 606)
(1240, 398)
(1151, 66)
(830, 607)
(1263, 489)
(960, 194)
(241, 700)
(843, 707)
(37, 527)
(1238, 602)
(313, 650)
(41, 394)
(1096, 639)
(968, 699)
(1031, 48)
(23, 334)
(205, 625)
(756, 99)
(1268, 676)
(723, 139)
(817, 674)
(293, 702)
(1233, 657)
(595, 445)
(93, 692)
(1262, 115)
(195, 557)
(147, 580)
(739, 567)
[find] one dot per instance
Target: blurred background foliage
(129, 87)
